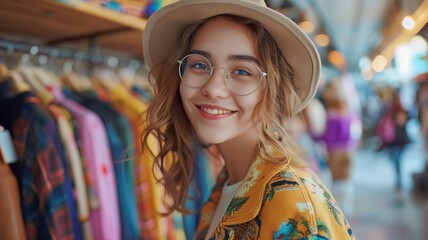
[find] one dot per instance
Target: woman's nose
(216, 84)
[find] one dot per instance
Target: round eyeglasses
(242, 77)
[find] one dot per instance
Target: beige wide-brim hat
(166, 26)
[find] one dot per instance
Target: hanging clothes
(148, 191)
(45, 185)
(75, 155)
(121, 140)
(143, 94)
(200, 190)
(105, 218)
(75, 162)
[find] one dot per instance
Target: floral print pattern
(323, 196)
(276, 201)
(249, 181)
(293, 229)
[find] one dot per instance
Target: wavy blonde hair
(167, 121)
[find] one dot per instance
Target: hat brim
(166, 26)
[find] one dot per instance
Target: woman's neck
(238, 155)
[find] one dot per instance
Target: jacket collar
(248, 199)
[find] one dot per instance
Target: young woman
(228, 73)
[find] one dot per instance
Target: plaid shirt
(44, 189)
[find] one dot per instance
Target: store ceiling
(356, 28)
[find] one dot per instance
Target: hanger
(127, 76)
(34, 82)
(19, 84)
(134, 74)
(77, 83)
(106, 79)
(46, 77)
(71, 79)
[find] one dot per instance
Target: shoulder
(296, 203)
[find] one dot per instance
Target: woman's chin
(210, 140)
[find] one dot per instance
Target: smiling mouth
(215, 111)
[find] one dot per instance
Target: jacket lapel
(207, 212)
(247, 201)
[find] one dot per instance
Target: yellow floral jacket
(276, 201)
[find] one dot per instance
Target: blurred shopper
(341, 135)
(422, 98)
(314, 118)
(392, 131)
(305, 146)
(421, 179)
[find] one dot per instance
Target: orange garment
(11, 222)
(276, 201)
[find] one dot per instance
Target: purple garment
(341, 132)
(105, 220)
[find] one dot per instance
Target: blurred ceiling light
(408, 56)
(408, 23)
(391, 40)
(364, 63)
(307, 26)
(419, 43)
(403, 58)
(379, 63)
(367, 74)
(322, 40)
(337, 59)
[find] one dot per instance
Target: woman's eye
(241, 72)
(200, 65)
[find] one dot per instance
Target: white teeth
(215, 111)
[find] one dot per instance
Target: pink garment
(105, 219)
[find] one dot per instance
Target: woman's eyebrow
(244, 57)
(231, 57)
(203, 53)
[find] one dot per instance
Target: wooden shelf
(47, 22)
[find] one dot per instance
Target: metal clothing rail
(89, 56)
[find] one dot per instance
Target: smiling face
(217, 114)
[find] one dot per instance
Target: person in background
(422, 103)
(341, 136)
(315, 119)
(305, 147)
(229, 73)
(421, 178)
(392, 131)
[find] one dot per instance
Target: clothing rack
(90, 57)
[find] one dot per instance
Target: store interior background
(376, 43)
